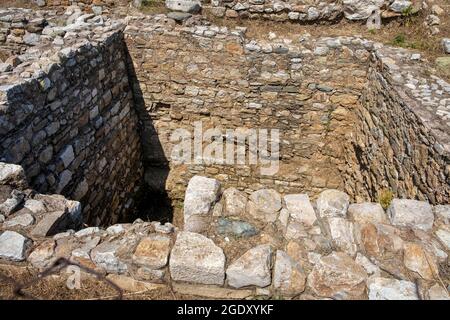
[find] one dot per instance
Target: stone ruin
(88, 105)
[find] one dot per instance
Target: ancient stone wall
(261, 245)
(217, 77)
(401, 140)
(308, 11)
(72, 126)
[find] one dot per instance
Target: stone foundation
(243, 247)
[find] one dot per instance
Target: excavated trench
(99, 127)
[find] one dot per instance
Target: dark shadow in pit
(152, 201)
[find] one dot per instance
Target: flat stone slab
(411, 213)
(13, 246)
(253, 268)
(51, 224)
(195, 258)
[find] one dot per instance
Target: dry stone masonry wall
(68, 118)
(239, 246)
(90, 104)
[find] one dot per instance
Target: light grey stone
(67, 156)
(195, 258)
(87, 232)
(437, 292)
(443, 234)
(105, 256)
(31, 39)
(234, 202)
(332, 203)
(51, 224)
(446, 45)
(253, 268)
(201, 194)
(22, 220)
(12, 174)
(13, 246)
(288, 276)
(341, 232)
(339, 276)
(400, 6)
(360, 9)
(442, 212)
(42, 256)
(12, 204)
(190, 6)
(264, 205)
(64, 179)
(35, 206)
(367, 212)
(370, 268)
(300, 208)
(411, 213)
(391, 289)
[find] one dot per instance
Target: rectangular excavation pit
(98, 124)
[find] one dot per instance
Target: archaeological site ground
(225, 149)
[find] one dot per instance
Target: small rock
(115, 229)
(87, 232)
(288, 276)
(237, 228)
(234, 202)
(31, 39)
(105, 256)
(400, 6)
(51, 224)
(251, 269)
(337, 276)
(41, 257)
(370, 268)
(341, 232)
(5, 67)
(201, 194)
(152, 251)
(446, 45)
(12, 174)
(23, 220)
(190, 6)
(11, 204)
(264, 205)
(411, 213)
(195, 258)
(420, 261)
(391, 289)
(332, 203)
(132, 285)
(35, 206)
(300, 208)
(13, 246)
(367, 212)
(443, 235)
(436, 292)
(179, 16)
